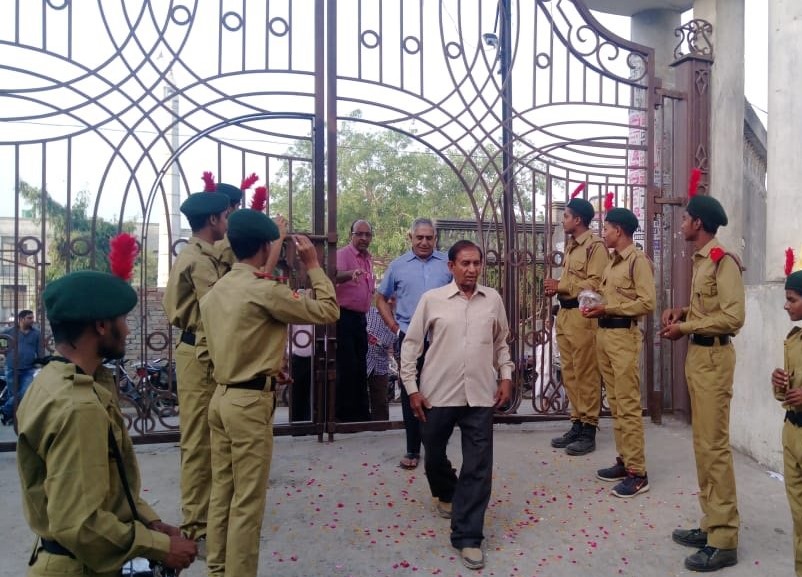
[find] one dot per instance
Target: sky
(88, 174)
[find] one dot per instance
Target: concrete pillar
(727, 112)
(784, 207)
(655, 28)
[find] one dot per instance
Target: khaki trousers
(619, 355)
(576, 338)
(792, 459)
(241, 423)
(709, 372)
(195, 388)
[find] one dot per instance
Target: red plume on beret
(123, 250)
(578, 190)
(608, 201)
(248, 181)
(693, 183)
(789, 261)
(259, 199)
(208, 182)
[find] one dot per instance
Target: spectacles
(363, 234)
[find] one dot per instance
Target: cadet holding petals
(787, 384)
(627, 288)
(585, 260)
(77, 466)
(715, 313)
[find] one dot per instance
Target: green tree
(76, 240)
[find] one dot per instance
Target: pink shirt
(355, 295)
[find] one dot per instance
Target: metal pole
(508, 182)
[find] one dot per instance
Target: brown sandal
(409, 461)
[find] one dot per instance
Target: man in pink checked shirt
(355, 286)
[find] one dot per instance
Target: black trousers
(411, 423)
(301, 389)
(351, 403)
(470, 492)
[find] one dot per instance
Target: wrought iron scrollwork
(695, 39)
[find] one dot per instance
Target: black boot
(585, 443)
(569, 437)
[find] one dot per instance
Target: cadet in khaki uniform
(627, 288)
(585, 260)
(716, 312)
(194, 272)
(787, 384)
(72, 493)
(250, 314)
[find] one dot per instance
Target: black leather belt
(188, 338)
(707, 341)
(569, 303)
(55, 548)
(794, 418)
(255, 384)
(617, 322)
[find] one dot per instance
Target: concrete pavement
(345, 509)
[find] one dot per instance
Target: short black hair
(23, 314)
(628, 229)
(245, 247)
(584, 218)
(708, 227)
(461, 245)
(197, 222)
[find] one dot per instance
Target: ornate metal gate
(111, 111)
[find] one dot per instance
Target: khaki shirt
(627, 284)
(194, 272)
(225, 256)
(793, 364)
(585, 260)
(250, 317)
(718, 300)
(468, 350)
(71, 489)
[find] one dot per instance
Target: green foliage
(76, 240)
(388, 179)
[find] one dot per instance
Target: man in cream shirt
(466, 375)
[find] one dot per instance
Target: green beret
(581, 207)
(794, 282)
(234, 193)
(622, 217)
(88, 295)
(204, 204)
(708, 210)
(247, 223)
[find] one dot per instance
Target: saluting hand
(418, 402)
(306, 251)
(283, 227)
